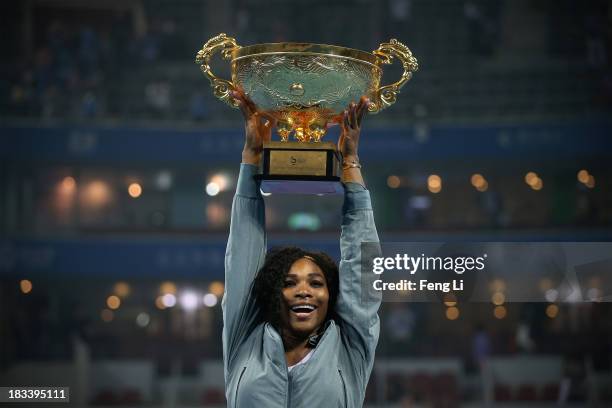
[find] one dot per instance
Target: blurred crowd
(107, 69)
(74, 65)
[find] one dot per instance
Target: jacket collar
(273, 343)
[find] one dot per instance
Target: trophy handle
(386, 95)
(221, 87)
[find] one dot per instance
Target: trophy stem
(305, 131)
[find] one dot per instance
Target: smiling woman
(297, 291)
(305, 299)
(292, 272)
(297, 329)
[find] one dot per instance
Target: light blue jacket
(256, 372)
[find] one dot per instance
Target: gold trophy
(306, 88)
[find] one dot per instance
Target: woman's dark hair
(270, 280)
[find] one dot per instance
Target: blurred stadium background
(118, 168)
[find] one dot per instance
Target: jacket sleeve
(357, 305)
(244, 256)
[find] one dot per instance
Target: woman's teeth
(302, 308)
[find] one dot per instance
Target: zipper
(343, 388)
(288, 390)
(238, 385)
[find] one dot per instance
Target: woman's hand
(348, 143)
(257, 128)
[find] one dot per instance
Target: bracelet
(353, 164)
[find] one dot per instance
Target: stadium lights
(113, 302)
(217, 183)
(168, 300)
(209, 300)
(586, 178)
(500, 312)
(552, 310)
(393, 181)
(135, 190)
(26, 286)
(479, 182)
(534, 181)
(163, 180)
(212, 189)
(143, 319)
(452, 313)
(434, 183)
(189, 300)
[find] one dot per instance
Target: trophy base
(300, 168)
(300, 185)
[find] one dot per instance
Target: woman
(297, 330)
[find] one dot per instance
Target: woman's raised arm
(357, 307)
(246, 245)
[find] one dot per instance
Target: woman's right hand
(257, 127)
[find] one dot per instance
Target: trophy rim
(305, 49)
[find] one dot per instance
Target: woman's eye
(289, 283)
(317, 284)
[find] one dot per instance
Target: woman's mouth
(303, 311)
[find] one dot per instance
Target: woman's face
(305, 298)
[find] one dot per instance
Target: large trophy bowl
(306, 88)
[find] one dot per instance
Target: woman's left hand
(348, 143)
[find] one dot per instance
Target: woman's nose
(303, 291)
